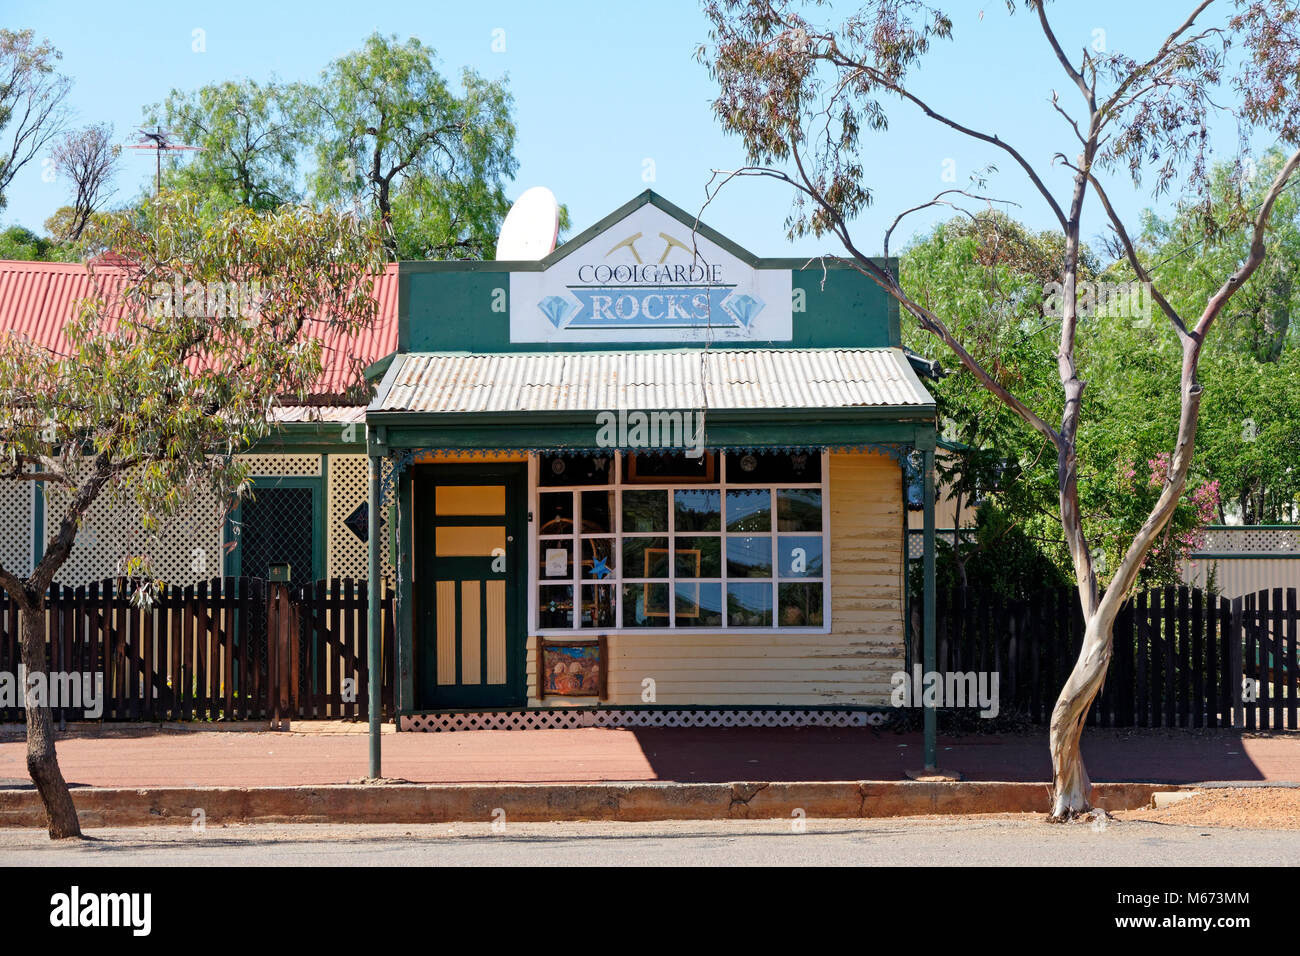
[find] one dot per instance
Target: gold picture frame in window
(655, 610)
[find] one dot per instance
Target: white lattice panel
(616, 717)
(283, 466)
(17, 511)
(186, 549)
(348, 554)
(349, 478)
(1251, 540)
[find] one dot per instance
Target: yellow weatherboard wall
(852, 665)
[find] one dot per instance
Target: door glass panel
(276, 528)
(470, 500)
(461, 541)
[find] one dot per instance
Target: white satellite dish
(531, 226)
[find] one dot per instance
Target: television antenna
(159, 141)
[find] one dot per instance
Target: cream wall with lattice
(186, 548)
(17, 507)
(189, 546)
(347, 555)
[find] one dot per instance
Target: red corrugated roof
(38, 298)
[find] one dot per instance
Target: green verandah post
(376, 676)
(931, 716)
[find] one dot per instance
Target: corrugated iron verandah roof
(722, 380)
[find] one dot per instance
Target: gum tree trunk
(42, 762)
(1071, 788)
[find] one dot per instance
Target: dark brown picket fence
(1181, 657)
(225, 649)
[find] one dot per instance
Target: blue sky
(601, 89)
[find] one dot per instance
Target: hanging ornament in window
(748, 463)
(557, 466)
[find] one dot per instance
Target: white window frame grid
(616, 580)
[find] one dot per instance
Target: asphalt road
(1011, 841)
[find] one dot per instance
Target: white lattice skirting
(703, 717)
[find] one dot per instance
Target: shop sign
(649, 278)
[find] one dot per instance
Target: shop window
(717, 542)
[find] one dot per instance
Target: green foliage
(32, 95)
(250, 135)
(428, 160)
(1000, 558)
(1248, 437)
(988, 276)
(18, 242)
(165, 383)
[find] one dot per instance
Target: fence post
(1235, 644)
(279, 647)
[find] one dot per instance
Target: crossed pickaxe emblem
(669, 242)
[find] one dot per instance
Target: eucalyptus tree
(804, 96)
(162, 382)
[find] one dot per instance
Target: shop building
(650, 479)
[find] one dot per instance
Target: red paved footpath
(229, 758)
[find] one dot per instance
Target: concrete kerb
(632, 802)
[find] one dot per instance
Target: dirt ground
(1256, 808)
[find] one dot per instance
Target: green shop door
(470, 576)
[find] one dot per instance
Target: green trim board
(405, 613)
(313, 438)
(522, 433)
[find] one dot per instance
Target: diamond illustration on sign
(743, 308)
(555, 308)
(359, 521)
